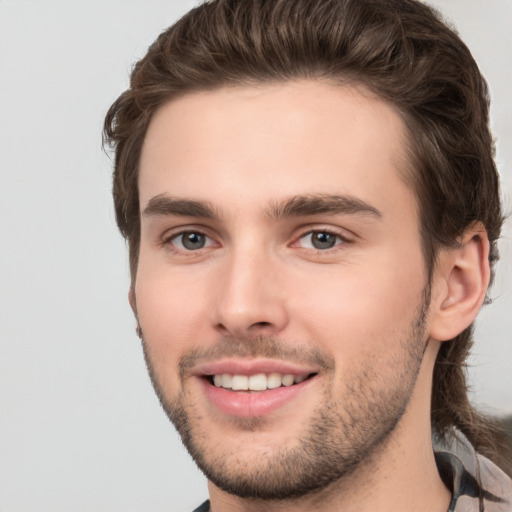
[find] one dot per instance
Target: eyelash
(169, 241)
(340, 240)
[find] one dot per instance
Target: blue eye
(321, 240)
(191, 241)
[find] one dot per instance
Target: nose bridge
(249, 299)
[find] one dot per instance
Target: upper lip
(252, 367)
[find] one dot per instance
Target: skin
(259, 283)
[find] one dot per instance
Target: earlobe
(461, 280)
(133, 304)
(132, 301)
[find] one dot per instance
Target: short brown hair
(400, 50)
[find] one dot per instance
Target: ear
(133, 304)
(460, 284)
(132, 300)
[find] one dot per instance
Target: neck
(401, 475)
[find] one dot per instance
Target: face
(281, 289)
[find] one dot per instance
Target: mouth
(250, 389)
(258, 381)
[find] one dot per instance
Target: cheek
(171, 310)
(360, 308)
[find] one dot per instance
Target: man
(312, 209)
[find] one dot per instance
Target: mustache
(254, 347)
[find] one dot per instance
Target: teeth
(226, 381)
(240, 382)
(287, 380)
(257, 382)
(274, 380)
(300, 378)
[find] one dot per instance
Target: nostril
(260, 324)
(247, 331)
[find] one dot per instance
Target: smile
(250, 388)
(257, 382)
(256, 394)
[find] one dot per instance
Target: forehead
(260, 142)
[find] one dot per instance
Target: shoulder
(497, 483)
(476, 482)
(205, 507)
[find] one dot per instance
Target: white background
(80, 427)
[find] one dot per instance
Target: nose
(250, 299)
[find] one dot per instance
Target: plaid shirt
(477, 485)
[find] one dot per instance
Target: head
(398, 51)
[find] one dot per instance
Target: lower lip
(251, 404)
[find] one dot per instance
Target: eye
(190, 241)
(320, 240)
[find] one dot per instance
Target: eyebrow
(317, 204)
(296, 206)
(165, 205)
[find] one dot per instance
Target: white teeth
(287, 380)
(257, 382)
(226, 380)
(240, 382)
(274, 380)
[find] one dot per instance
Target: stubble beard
(344, 433)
